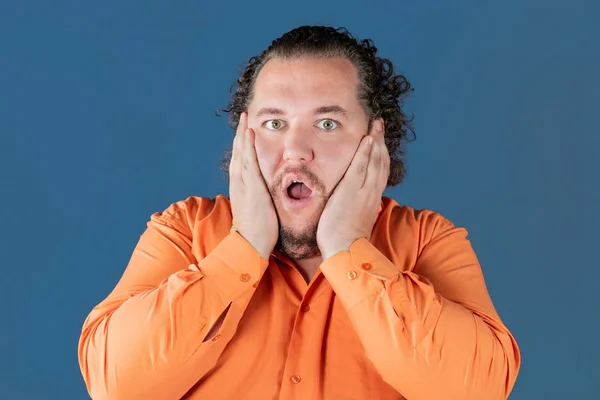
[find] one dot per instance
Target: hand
(351, 211)
(254, 215)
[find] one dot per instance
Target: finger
(235, 168)
(374, 163)
(251, 169)
(384, 170)
(376, 160)
(377, 127)
(355, 175)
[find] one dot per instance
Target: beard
(300, 244)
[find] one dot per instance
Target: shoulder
(422, 218)
(421, 225)
(187, 213)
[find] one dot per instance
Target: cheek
(334, 162)
(267, 157)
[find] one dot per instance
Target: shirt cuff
(233, 266)
(356, 274)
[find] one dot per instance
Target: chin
(298, 227)
(301, 227)
(299, 241)
(299, 221)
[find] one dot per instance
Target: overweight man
(306, 282)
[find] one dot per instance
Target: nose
(298, 145)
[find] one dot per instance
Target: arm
(432, 332)
(147, 338)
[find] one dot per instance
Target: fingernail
(379, 126)
(370, 141)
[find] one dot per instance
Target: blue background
(107, 115)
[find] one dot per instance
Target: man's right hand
(254, 215)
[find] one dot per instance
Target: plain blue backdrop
(107, 114)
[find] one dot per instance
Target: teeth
(295, 181)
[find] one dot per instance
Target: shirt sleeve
(146, 339)
(433, 332)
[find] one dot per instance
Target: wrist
(264, 254)
(329, 251)
(262, 250)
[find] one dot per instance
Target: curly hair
(380, 91)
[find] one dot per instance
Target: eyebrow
(331, 110)
(334, 109)
(269, 111)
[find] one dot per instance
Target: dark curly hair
(380, 91)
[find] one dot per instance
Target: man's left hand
(351, 211)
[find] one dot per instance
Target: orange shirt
(404, 315)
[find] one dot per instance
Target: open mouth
(298, 190)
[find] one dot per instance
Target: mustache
(313, 179)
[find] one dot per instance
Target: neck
(308, 267)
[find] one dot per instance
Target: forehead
(306, 82)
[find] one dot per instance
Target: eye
(328, 124)
(274, 124)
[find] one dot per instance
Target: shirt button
(244, 277)
(352, 275)
(295, 378)
(366, 266)
(306, 308)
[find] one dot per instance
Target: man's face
(308, 124)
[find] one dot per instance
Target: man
(307, 283)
